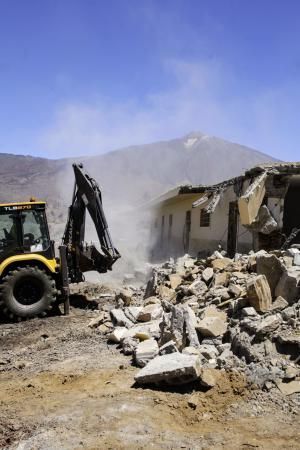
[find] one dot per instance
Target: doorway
(232, 229)
(187, 231)
(291, 212)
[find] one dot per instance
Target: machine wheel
(27, 292)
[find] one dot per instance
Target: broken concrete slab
(172, 369)
(207, 274)
(272, 268)
(125, 295)
(288, 286)
(264, 222)
(208, 351)
(175, 280)
(166, 293)
(145, 331)
(267, 325)
(221, 263)
(259, 293)
(198, 287)
(150, 312)
(190, 322)
(169, 347)
(96, 321)
(209, 377)
(288, 388)
(145, 351)
(132, 312)
(235, 290)
(279, 304)
(129, 345)
(250, 202)
(221, 279)
(117, 335)
(119, 318)
(212, 326)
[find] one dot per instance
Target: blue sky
(88, 76)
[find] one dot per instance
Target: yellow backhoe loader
(32, 277)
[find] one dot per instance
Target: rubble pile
(199, 316)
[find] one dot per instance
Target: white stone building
(259, 209)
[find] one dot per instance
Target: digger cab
(24, 231)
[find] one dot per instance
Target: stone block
(207, 274)
(221, 263)
(259, 293)
(175, 280)
(212, 326)
(119, 318)
(272, 268)
(145, 351)
(117, 335)
(279, 304)
(209, 377)
(172, 369)
(288, 286)
(198, 287)
(150, 312)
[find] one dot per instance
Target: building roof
(277, 168)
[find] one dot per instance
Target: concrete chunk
(272, 268)
(250, 202)
(207, 274)
(221, 263)
(173, 369)
(119, 318)
(288, 286)
(117, 335)
(259, 293)
(150, 312)
(212, 326)
(175, 280)
(145, 351)
(169, 347)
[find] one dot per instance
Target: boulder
(279, 304)
(175, 280)
(272, 268)
(207, 274)
(212, 326)
(117, 335)
(209, 377)
(125, 295)
(288, 286)
(221, 279)
(267, 325)
(172, 369)
(221, 263)
(129, 345)
(198, 287)
(132, 312)
(150, 312)
(145, 331)
(259, 293)
(235, 290)
(145, 351)
(119, 318)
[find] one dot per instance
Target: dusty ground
(62, 387)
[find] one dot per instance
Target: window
(204, 218)
(35, 230)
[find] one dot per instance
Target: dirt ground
(63, 387)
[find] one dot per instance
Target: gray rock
(288, 286)
(297, 259)
(132, 312)
(249, 312)
(119, 318)
(173, 369)
(207, 274)
(259, 293)
(208, 351)
(267, 325)
(272, 268)
(129, 345)
(150, 312)
(279, 304)
(212, 326)
(169, 347)
(198, 287)
(117, 335)
(145, 351)
(288, 313)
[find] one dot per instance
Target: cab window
(35, 232)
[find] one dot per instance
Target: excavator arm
(81, 257)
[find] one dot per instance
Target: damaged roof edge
(284, 168)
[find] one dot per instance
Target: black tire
(27, 292)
